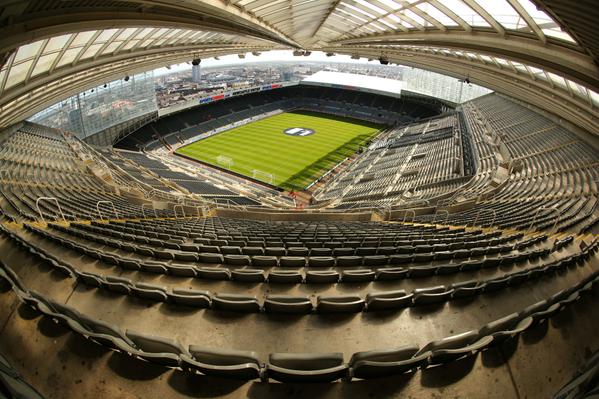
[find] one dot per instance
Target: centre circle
(299, 131)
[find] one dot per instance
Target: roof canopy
(544, 52)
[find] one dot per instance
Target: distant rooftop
(371, 84)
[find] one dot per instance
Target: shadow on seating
(202, 386)
(27, 313)
(387, 387)
(499, 355)
(427, 309)
(134, 369)
(260, 390)
(49, 328)
(447, 374)
(536, 333)
(170, 308)
(381, 316)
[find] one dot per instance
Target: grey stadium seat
(339, 304)
(243, 365)
(388, 300)
(195, 298)
(454, 347)
(236, 303)
(283, 276)
(156, 349)
(287, 304)
(385, 363)
(248, 275)
(306, 367)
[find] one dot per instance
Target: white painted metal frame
(52, 199)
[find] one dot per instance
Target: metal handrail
(205, 209)
(485, 210)
(386, 211)
(143, 210)
(37, 205)
(406, 212)
(534, 219)
(108, 203)
(175, 210)
(440, 211)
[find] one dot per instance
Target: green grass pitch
(294, 161)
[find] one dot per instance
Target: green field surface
(294, 161)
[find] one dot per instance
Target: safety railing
(52, 199)
(178, 207)
(409, 212)
(385, 211)
(482, 210)
(228, 204)
(107, 203)
(439, 212)
(534, 219)
(143, 212)
(202, 210)
(444, 202)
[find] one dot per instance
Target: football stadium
(299, 199)
(289, 150)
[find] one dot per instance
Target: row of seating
(303, 367)
(311, 261)
(302, 304)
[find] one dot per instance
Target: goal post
(225, 161)
(263, 176)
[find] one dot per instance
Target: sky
(275, 55)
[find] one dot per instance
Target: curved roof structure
(542, 52)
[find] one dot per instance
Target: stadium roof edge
(542, 51)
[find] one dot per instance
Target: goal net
(224, 161)
(263, 176)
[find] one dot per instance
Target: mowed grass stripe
(294, 161)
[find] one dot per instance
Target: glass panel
(28, 51)
(90, 112)
(130, 44)
(17, 74)
(158, 33)
(352, 15)
(68, 56)
(390, 25)
(91, 51)
(105, 35)
(411, 14)
(505, 14)
(111, 47)
(144, 33)
(44, 63)
(547, 25)
(373, 7)
(559, 34)
(558, 80)
(401, 21)
(126, 34)
(82, 38)
(390, 3)
(594, 97)
(56, 43)
(358, 10)
(146, 43)
(436, 14)
(466, 13)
